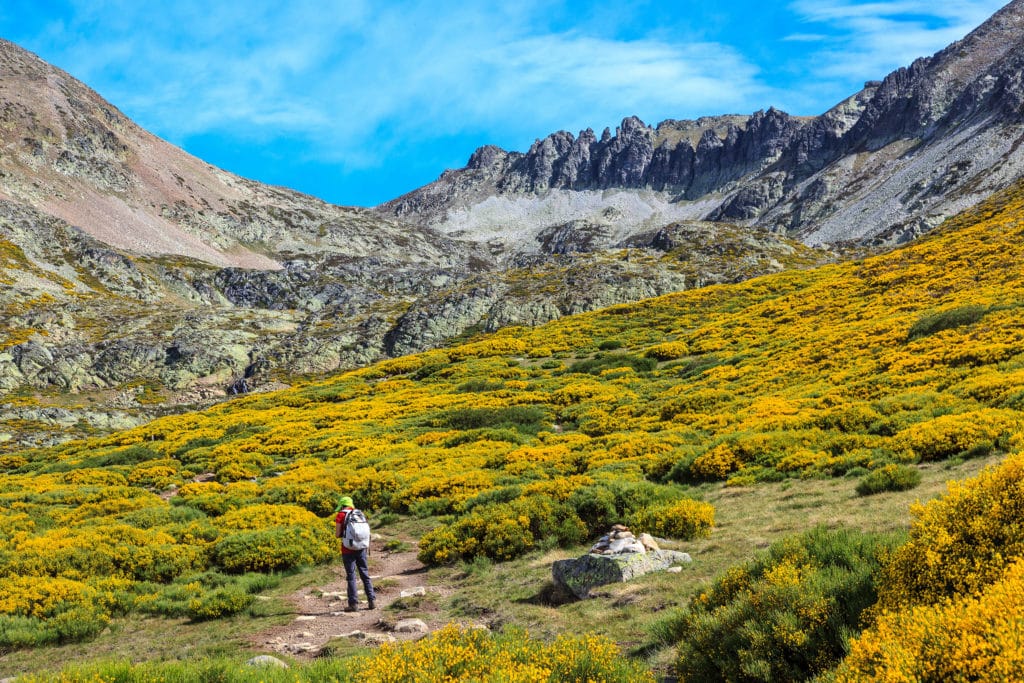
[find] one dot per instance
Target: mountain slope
(139, 280)
(884, 166)
(527, 435)
(70, 154)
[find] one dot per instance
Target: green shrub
(601, 505)
(77, 623)
(192, 444)
(890, 477)
(150, 518)
(946, 320)
(609, 345)
(219, 603)
(785, 617)
(503, 531)
(506, 434)
(505, 494)
(273, 549)
(528, 419)
(320, 500)
(132, 455)
(479, 385)
(207, 595)
(602, 362)
(595, 506)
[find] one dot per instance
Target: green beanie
(344, 502)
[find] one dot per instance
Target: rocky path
(320, 616)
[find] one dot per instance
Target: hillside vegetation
(533, 437)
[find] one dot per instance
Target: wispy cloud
(877, 37)
(352, 82)
(346, 88)
(805, 37)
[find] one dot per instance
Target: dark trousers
(352, 562)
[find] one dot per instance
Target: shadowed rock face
(863, 172)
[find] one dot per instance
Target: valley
(788, 346)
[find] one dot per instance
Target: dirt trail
(320, 615)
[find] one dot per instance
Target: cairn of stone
(617, 556)
(620, 540)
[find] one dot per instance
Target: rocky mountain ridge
(883, 166)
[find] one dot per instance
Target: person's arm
(339, 524)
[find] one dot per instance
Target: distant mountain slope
(138, 280)
(68, 153)
(884, 166)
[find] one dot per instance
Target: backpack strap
(348, 520)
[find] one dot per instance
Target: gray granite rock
(411, 626)
(581, 575)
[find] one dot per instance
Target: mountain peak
(882, 166)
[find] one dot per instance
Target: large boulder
(581, 575)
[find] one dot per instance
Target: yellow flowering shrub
(263, 516)
(949, 435)
(803, 460)
(95, 477)
(44, 610)
(495, 346)
(560, 489)
(668, 351)
(961, 542)
(685, 519)
(156, 474)
(32, 596)
(240, 466)
(460, 654)
(503, 531)
(973, 637)
(115, 550)
(539, 352)
(12, 462)
(715, 463)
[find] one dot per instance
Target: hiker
(351, 527)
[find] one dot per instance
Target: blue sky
(357, 102)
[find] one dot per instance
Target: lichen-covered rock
(581, 575)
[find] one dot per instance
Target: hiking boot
(372, 604)
(352, 608)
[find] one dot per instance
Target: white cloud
(877, 37)
(352, 83)
(805, 37)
